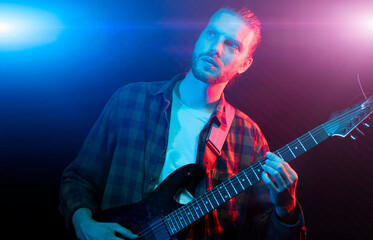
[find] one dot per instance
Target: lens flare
(4, 28)
(25, 27)
(367, 24)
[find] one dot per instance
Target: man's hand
(282, 189)
(88, 229)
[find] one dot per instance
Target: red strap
(215, 142)
(217, 136)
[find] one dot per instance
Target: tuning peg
(360, 131)
(353, 138)
(366, 124)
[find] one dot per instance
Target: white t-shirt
(185, 126)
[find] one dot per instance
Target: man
(148, 130)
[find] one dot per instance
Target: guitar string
(256, 165)
(346, 117)
(253, 166)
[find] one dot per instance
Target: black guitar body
(142, 217)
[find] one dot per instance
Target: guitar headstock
(344, 122)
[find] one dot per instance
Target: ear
(245, 65)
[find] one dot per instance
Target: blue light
(24, 27)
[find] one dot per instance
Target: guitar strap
(216, 138)
(214, 143)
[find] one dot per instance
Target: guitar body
(149, 212)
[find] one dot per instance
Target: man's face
(222, 49)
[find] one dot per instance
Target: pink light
(367, 24)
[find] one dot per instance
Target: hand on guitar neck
(88, 229)
(282, 188)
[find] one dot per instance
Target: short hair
(252, 21)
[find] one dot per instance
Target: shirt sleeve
(261, 220)
(84, 179)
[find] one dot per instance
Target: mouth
(211, 61)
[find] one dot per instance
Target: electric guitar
(160, 217)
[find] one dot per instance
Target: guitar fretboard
(200, 206)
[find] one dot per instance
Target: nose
(217, 48)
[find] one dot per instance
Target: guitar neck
(200, 206)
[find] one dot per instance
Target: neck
(199, 95)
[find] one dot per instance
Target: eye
(232, 45)
(210, 33)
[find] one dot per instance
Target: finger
(276, 176)
(280, 167)
(274, 157)
(268, 182)
(293, 175)
(124, 231)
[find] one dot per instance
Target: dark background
(304, 69)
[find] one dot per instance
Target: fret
(225, 196)
(258, 169)
(185, 217)
(296, 148)
(238, 179)
(220, 193)
(207, 210)
(195, 210)
(187, 213)
(209, 201)
(237, 184)
(322, 125)
(254, 178)
(217, 203)
(233, 186)
(254, 172)
(302, 145)
(320, 134)
(181, 218)
(286, 154)
(313, 138)
(307, 141)
(244, 180)
(247, 177)
(291, 151)
(198, 207)
(177, 224)
(190, 212)
(279, 154)
(227, 191)
(171, 225)
(260, 163)
(261, 166)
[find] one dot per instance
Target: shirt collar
(168, 87)
(220, 111)
(218, 116)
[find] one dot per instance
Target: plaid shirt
(123, 155)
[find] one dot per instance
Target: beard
(206, 75)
